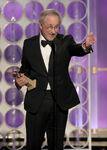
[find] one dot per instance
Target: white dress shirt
(45, 51)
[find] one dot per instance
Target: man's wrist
(87, 49)
(84, 45)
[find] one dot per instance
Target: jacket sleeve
(76, 49)
(25, 66)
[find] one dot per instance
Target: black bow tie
(44, 43)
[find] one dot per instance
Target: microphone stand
(54, 95)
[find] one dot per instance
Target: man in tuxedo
(45, 61)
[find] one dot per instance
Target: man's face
(49, 28)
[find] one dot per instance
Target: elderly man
(45, 60)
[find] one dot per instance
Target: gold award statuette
(31, 83)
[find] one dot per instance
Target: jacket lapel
(38, 55)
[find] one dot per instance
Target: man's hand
(89, 40)
(21, 79)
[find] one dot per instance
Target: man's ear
(40, 25)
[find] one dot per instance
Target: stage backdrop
(18, 21)
(98, 24)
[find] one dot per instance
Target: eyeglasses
(50, 27)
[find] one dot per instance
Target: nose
(53, 30)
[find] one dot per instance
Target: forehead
(51, 19)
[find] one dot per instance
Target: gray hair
(49, 12)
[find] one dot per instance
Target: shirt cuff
(88, 49)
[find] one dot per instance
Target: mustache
(53, 33)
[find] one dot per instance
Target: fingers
(21, 75)
(17, 74)
(90, 34)
(94, 39)
(22, 80)
(90, 40)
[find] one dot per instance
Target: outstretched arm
(90, 40)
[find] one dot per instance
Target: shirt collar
(41, 37)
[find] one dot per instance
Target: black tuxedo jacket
(33, 66)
